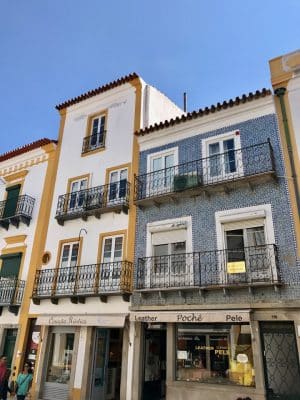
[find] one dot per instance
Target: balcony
(11, 294)
(93, 142)
(210, 270)
(221, 172)
(21, 211)
(113, 197)
(77, 283)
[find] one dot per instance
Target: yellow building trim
(89, 153)
(105, 235)
(76, 394)
(16, 176)
(39, 244)
(117, 168)
(93, 116)
(136, 83)
(77, 178)
(49, 148)
(15, 239)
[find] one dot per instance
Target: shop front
(214, 355)
(81, 358)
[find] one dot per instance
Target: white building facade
(82, 288)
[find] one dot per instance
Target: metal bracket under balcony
(113, 197)
(250, 267)
(78, 283)
(248, 166)
(21, 212)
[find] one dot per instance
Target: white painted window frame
(237, 146)
(245, 214)
(168, 225)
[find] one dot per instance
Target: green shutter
(10, 265)
(11, 201)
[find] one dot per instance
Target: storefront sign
(191, 317)
(236, 267)
(110, 320)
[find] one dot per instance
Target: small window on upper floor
(96, 132)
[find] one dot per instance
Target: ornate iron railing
(93, 142)
(84, 280)
(89, 201)
(230, 166)
(11, 291)
(24, 208)
(219, 268)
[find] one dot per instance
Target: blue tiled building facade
(212, 282)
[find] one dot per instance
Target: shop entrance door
(9, 345)
(106, 376)
(154, 385)
(281, 363)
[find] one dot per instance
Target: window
(69, 255)
(215, 353)
(161, 168)
(222, 157)
(77, 195)
(10, 265)
(117, 185)
(11, 202)
(246, 239)
(95, 136)
(111, 267)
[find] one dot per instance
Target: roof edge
(100, 89)
(26, 148)
(207, 110)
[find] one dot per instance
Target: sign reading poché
(191, 317)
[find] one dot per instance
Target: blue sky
(52, 50)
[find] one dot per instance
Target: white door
(98, 131)
(110, 270)
(117, 186)
(77, 196)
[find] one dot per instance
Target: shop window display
(215, 353)
(60, 361)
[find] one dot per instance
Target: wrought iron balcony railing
(226, 167)
(83, 281)
(93, 142)
(22, 211)
(94, 201)
(11, 293)
(251, 266)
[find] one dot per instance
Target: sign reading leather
(191, 317)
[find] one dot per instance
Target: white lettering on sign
(192, 317)
(71, 320)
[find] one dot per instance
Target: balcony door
(111, 263)
(247, 256)
(160, 180)
(117, 186)
(67, 272)
(97, 134)
(77, 195)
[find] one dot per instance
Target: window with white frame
(111, 267)
(161, 171)
(118, 185)
(77, 193)
(69, 255)
(66, 277)
(97, 131)
(222, 157)
(247, 239)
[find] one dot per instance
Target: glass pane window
(256, 236)
(69, 255)
(113, 249)
(229, 156)
(222, 157)
(118, 184)
(235, 245)
(60, 360)
(77, 194)
(215, 353)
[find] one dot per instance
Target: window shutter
(11, 201)
(10, 265)
(251, 223)
(172, 236)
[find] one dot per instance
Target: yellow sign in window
(236, 267)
